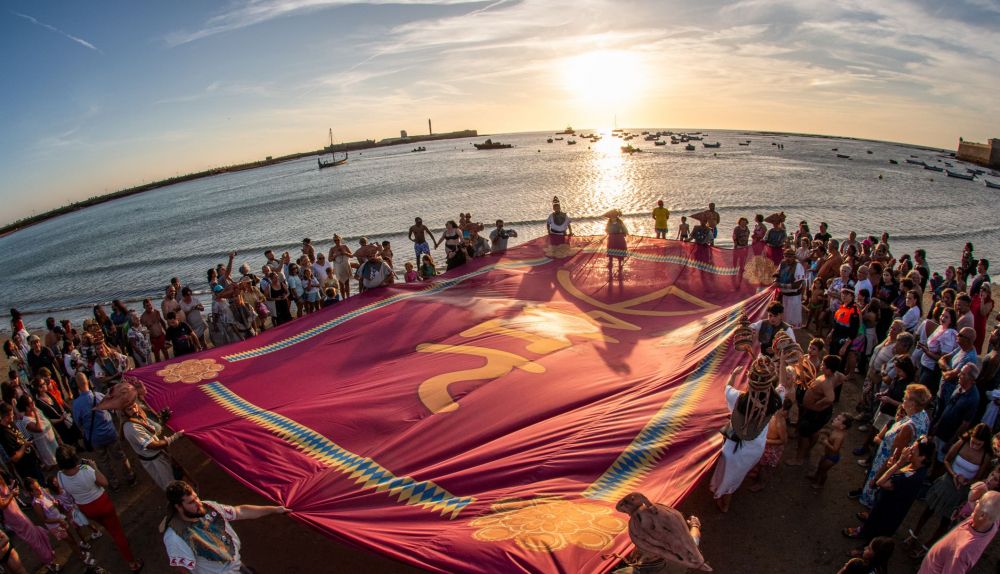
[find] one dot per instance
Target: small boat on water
(490, 144)
(421, 148)
(976, 171)
(689, 147)
(992, 184)
(566, 132)
(967, 176)
(869, 152)
(570, 142)
(742, 143)
(893, 162)
(333, 161)
(549, 140)
(630, 149)
(934, 168)
(716, 144)
(559, 139)
(915, 162)
(834, 149)
(659, 142)
(842, 156)
(911, 155)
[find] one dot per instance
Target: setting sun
(605, 78)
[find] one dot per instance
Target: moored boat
(566, 132)
(992, 185)
(490, 144)
(689, 147)
(958, 175)
(915, 162)
(934, 168)
(893, 162)
(843, 156)
(570, 142)
(659, 142)
(549, 140)
(333, 162)
(421, 148)
(630, 149)
(716, 144)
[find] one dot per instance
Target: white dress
(737, 459)
(793, 303)
(45, 442)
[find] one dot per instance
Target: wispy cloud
(52, 28)
(221, 89)
(259, 11)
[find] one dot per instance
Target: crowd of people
(53, 401)
(915, 342)
(917, 345)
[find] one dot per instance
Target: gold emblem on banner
(191, 371)
(549, 524)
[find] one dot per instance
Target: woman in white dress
(738, 457)
(34, 425)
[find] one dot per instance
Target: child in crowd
(684, 230)
(427, 269)
(831, 441)
(777, 437)
(387, 253)
(331, 297)
(49, 512)
(78, 523)
(411, 274)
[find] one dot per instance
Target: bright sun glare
(605, 78)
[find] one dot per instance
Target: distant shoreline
(99, 199)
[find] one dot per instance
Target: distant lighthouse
(430, 131)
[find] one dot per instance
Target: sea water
(130, 248)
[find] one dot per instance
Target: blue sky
(105, 95)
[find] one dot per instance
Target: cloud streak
(52, 28)
(259, 11)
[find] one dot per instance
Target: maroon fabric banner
(487, 421)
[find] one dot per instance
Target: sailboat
(334, 162)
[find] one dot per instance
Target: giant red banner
(487, 421)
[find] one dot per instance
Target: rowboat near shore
(992, 185)
(958, 175)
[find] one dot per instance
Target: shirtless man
(170, 303)
(816, 408)
(418, 233)
(712, 221)
(153, 321)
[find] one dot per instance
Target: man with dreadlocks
(746, 433)
(198, 535)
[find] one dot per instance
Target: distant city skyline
(103, 97)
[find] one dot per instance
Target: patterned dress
(920, 423)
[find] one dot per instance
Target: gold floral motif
(560, 251)
(549, 524)
(191, 371)
(759, 270)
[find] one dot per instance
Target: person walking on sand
(418, 235)
(660, 217)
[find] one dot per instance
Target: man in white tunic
(198, 535)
